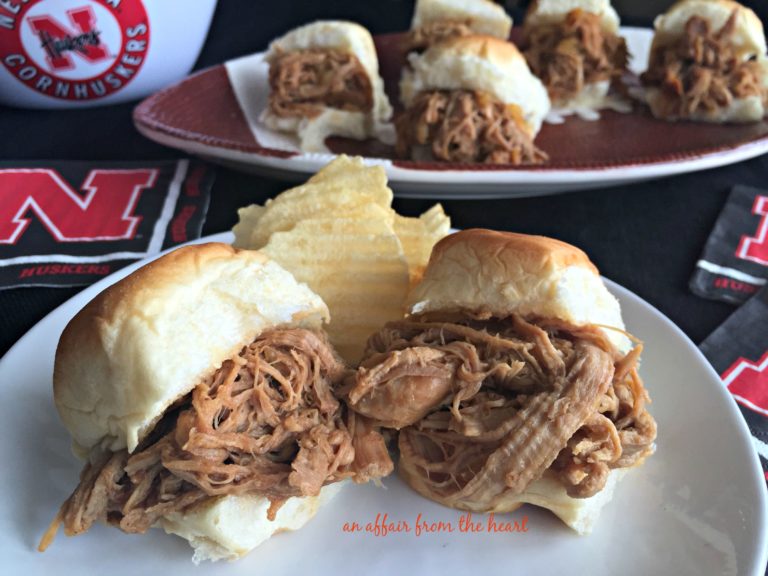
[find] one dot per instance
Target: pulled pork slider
(201, 391)
(575, 48)
(438, 20)
(708, 63)
(324, 80)
(506, 383)
(471, 99)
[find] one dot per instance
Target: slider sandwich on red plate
(324, 81)
(575, 47)
(471, 99)
(708, 63)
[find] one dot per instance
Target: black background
(647, 236)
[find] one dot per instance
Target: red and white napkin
(734, 268)
(72, 223)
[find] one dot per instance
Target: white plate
(215, 114)
(698, 506)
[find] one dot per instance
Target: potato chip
(343, 174)
(335, 189)
(340, 165)
(345, 212)
(248, 221)
(357, 267)
(419, 235)
(321, 202)
(340, 235)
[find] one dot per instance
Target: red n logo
(756, 248)
(748, 383)
(59, 42)
(104, 212)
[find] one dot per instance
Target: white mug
(75, 53)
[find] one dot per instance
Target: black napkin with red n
(72, 223)
(734, 265)
(734, 268)
(738, 350)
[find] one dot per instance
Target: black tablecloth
(647, 236)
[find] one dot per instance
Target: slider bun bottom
(231, 526)
(312, 132)
(580, 514)
(739, 111)
(592, 97)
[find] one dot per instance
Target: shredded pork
(576, 52)
(466, 126)
(700, 72)
(266, 423)
(486, 406)
(303, 83)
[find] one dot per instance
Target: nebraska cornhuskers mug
(73, 53)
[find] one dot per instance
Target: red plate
(201, 115)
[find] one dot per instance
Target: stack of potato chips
(340, 235)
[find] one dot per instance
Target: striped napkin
(734, 265)
(738, 350)
(72, 223)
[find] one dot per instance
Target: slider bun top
(485, 16)
(748, 39)
(543, 12)
(482, 63)
(147, 341)
(346, 37)
(502, 273)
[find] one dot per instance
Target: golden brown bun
(527, 249)
(149, 339)
(503, 273)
